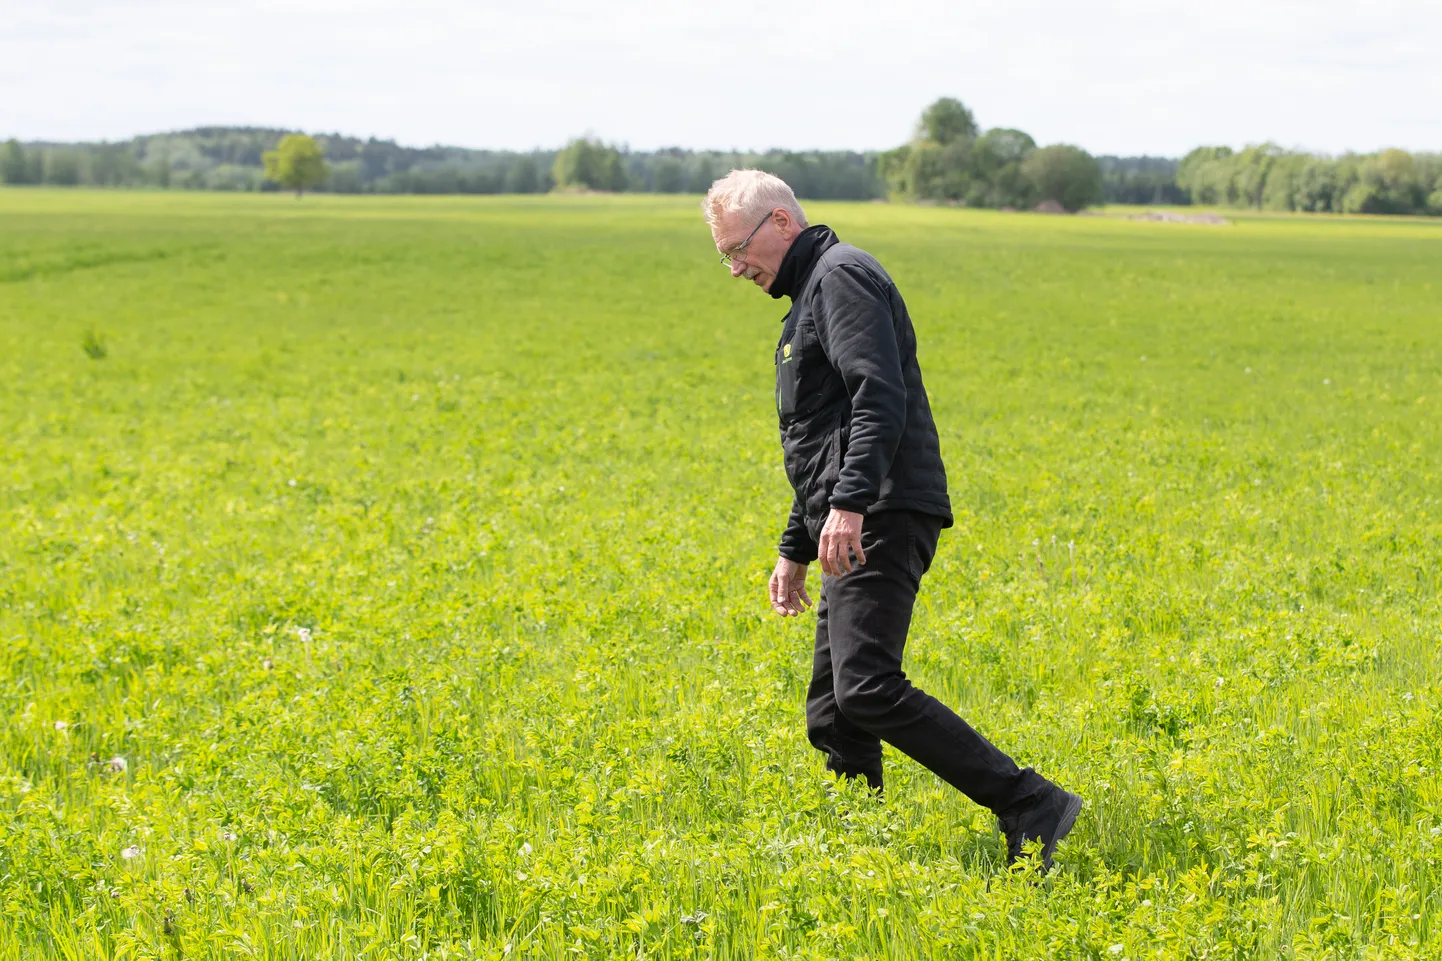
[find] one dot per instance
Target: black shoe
(1050, 818)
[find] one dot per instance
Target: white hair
(752, 194)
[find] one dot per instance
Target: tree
(945, 122)
(1362, 198)
(1315, 188)
(62, 167)
(943, 172)
(1202, 174)
(14, 165)
(893, 166)
(160, 170)
(1249, 172)
(996, 158)
(939, 163)
(668, 177)
(1395, 177)
(1006, 145)
(1140, 180)
(1284, 185)
(296, 163)
(587, 162)
(1066, 174)
(345, 178)
(703, 171)
(113, 165)
(522, 177)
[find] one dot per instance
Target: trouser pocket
(923, 531)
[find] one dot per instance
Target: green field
(411, 553)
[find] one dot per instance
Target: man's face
(762, 257)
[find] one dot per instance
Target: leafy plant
(93, 346)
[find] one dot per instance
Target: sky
(1113, 76)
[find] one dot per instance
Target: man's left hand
(840, 538)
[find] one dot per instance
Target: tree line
(950, 159)
(1266, 177)
(232, 158)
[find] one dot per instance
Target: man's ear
(785, 223)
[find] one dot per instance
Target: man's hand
(788, 588)
(840, 538)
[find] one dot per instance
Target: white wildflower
(61, 725)
(116, 765)
(227, 835)
(1116, 949)
(304, 634)
(290, 483)
(525, 851)
(131, 852)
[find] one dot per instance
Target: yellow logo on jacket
(786, 354)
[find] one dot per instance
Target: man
(862, 454)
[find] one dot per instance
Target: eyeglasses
(741, 247)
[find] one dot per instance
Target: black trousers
(859, 695)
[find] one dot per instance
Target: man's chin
(763, 281)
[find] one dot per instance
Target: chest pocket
(800, 367)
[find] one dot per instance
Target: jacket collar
(800, 257)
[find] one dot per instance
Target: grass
(384, 578)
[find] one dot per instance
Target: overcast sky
(1114, 76)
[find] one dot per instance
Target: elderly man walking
(862, 454)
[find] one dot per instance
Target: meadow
(385, 579)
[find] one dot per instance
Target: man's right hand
(788, 588)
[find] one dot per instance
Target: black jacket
(856, 427)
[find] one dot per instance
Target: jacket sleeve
(857, 330)
(796, 543)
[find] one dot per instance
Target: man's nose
(738, 267)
